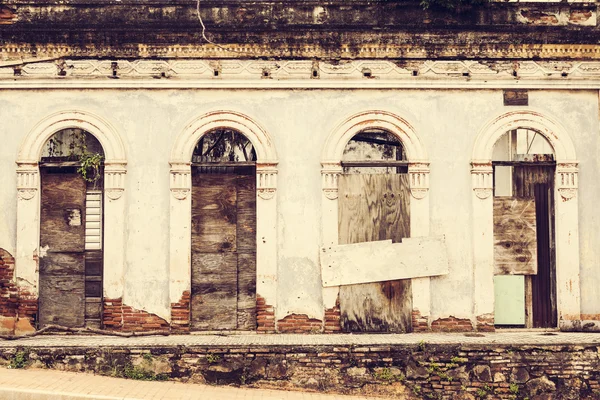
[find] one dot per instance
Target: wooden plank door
(224, 251)
(537, 183)
(62, 246)
(375, 207)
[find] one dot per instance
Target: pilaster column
(28, 226)
(180, 230)
(418, 176)
(483, 237)
(566, 205)
(266, 231)
(114, 228)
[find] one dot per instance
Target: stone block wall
(418, 371)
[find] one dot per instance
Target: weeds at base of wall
(19, 360)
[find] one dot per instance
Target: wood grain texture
(214, 215)
(62, 290)
(63, 195)
(224, 251)
(246, 296)
(375, 207)
(515, 243)
(246, 213)
(214, 291)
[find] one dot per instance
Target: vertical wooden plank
(246, 213)
(246, 291)
(62, 235)
(246, 248)
(214, 213)
(375, 207)
(214, 291)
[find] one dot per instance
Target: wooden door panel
(62, 289)
(214, 215)
(62, 218)
(375, 207)
(214, 291)
(377, 307)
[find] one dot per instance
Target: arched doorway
(263, 159)
(564, 192)
(374, 204)
(223, 260)
(71, 230)
(524, 167)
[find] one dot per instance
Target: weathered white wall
(447, 121)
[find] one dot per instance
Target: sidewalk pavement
(39, 384)
(516, 337)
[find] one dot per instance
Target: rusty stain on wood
(375, 207)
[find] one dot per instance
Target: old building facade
(363, 166)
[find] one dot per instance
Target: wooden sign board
(516, 97)
(515, 244)
(383, 260)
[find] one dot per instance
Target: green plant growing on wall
(514, 388)
(75, 143)
(452, 5)
(213, 358)
(19, 360)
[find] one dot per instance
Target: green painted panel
(509, 294)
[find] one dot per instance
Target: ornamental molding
(418, 178)
(259, 70)
(482, 179)
(330, 173)
(266, 180)
(181, 180)
(567, 180)
(114, 179)
(27, 180)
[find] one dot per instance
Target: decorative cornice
(482, 178)
(365, 71)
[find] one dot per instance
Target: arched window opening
(71, 230)
(223, 232)
(374, 205)
(524, 258)
(374, 151)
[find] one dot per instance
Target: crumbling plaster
(447, 122)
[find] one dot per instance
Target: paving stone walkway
(37, 384)
(510, 337)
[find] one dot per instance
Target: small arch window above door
(374, 151)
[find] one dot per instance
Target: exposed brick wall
(451, 324)
(28, 306)
(299, 323)
(265, 316)
(121, 317)
(180, 314)
(485, 323)
(419, 322)
(333, 319)
(8, 288)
